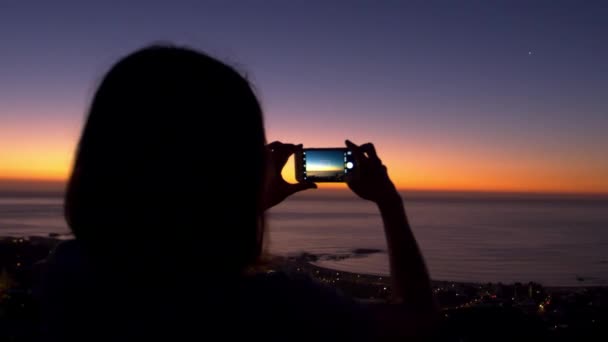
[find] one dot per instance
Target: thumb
(293, 188)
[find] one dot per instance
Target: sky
(332, 160)
(456, 95)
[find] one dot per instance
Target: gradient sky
(473, 95)
(325, 160)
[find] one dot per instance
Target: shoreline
(522, 309)
(313, 260)
(300, 260)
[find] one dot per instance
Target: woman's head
(170, 163)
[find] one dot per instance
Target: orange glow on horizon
(36, 151)
(54, 162)
(35, 154)
(52, 167)
(475, 177)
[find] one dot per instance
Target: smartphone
(325, 165)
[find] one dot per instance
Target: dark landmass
(470, 311)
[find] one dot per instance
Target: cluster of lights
(541, 308)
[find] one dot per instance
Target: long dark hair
(170, 165)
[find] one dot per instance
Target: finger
(285, 150)
(370, 150)
(281, 152)
(278, 146)
(273, 145)
(351, 145)
(353, 184)
(357, 153)
(293, 188)
(289, 148)
(355, 148)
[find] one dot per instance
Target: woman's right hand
(372, 183)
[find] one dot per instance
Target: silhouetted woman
(166, 200)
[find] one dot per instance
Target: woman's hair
(170, 164)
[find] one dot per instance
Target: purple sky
(487, 81)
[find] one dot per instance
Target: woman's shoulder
(303, 287)
(295, 301)
(66, 251)
(306, 297)
(288, 284)
(63, 267)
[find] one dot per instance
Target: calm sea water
(559, 241)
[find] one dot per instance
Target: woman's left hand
(276, 189)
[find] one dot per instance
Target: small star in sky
(530, 53)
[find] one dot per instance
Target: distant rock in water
(355, 253)
(360, 251)
(336, 257)
(308, 257)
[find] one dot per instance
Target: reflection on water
(464, 237)
(475, 237)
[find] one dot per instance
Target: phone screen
(326, 164)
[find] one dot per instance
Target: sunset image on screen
(321, 164)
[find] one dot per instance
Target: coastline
(530, 308)
(36, 248)
(467, 243)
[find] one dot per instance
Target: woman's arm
(410, 278)
(415, 310)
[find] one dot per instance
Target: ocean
(469, 237)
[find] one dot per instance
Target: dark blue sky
(436, 80)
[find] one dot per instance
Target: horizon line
(340, 186)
